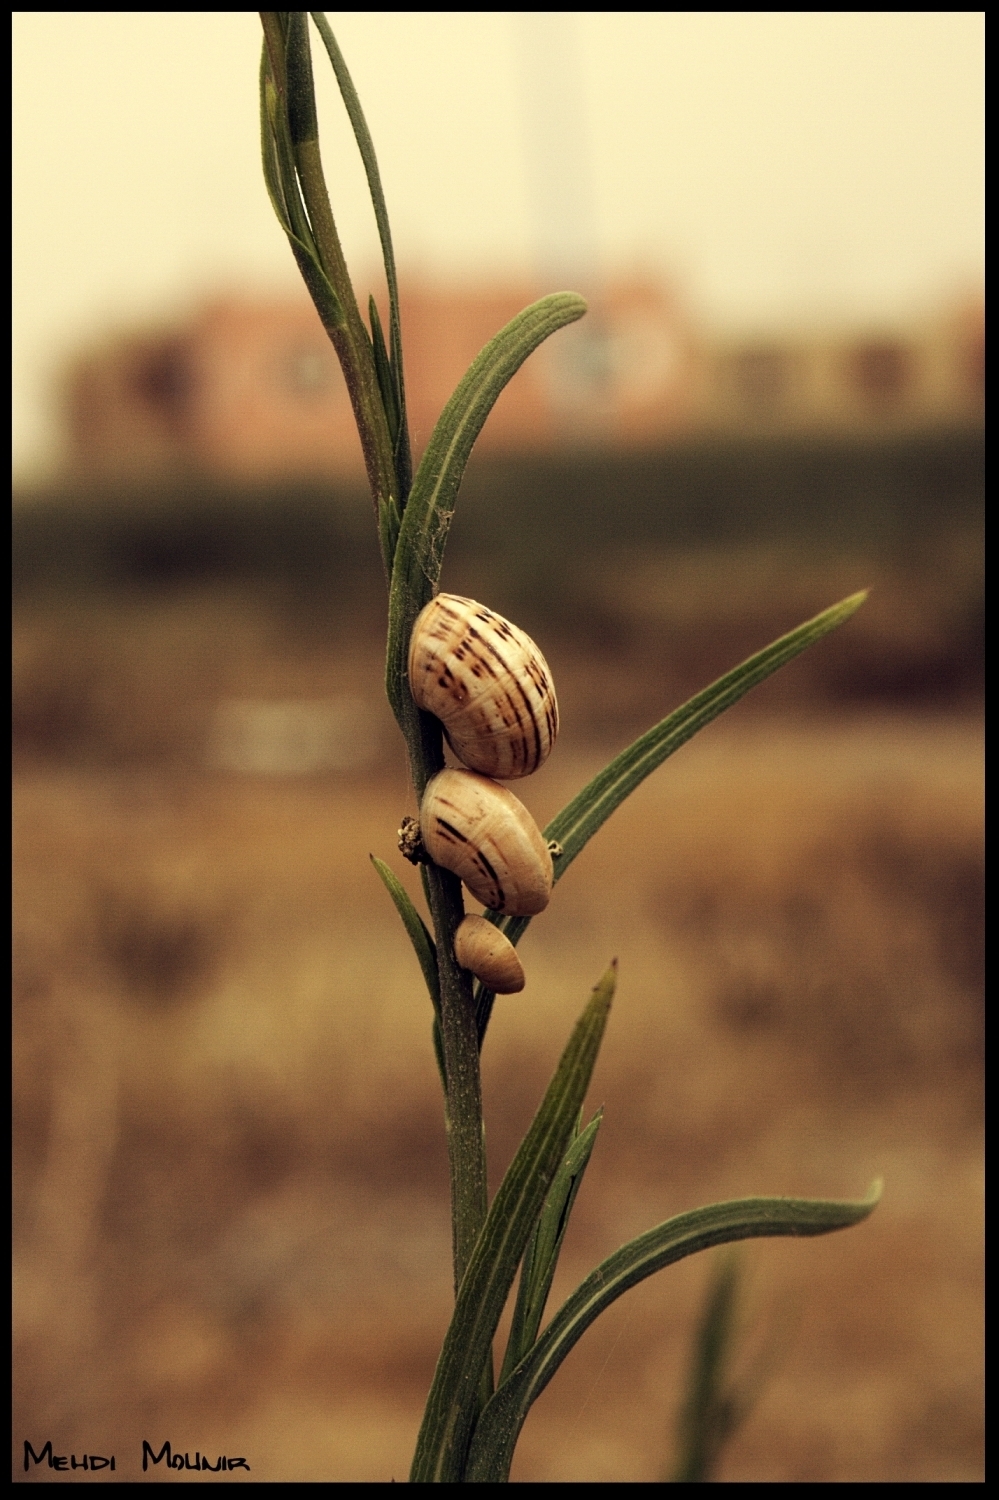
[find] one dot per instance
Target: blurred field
(231, 1184)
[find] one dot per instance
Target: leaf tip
(607, 983)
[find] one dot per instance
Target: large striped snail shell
(487, 682)
(490, 955)
(484, 834)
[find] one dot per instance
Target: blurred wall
(781, 165)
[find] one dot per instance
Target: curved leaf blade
(576, 824)
(427, 517)
(453, 1401)
(499, 1425)
(579, 820)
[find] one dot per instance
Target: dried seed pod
(484, 834)
(490, 955)
(487, 682)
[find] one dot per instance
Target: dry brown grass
(231, 1185)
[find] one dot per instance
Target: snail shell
(490, 955)
(484, 834)
(487, 682)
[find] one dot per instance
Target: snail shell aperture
(487, 682)
(490, 955)
(484, 834)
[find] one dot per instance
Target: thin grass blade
(710, 1412)
(426, 952)
(284, 192)
(499, 1425)
(576, 824)
(383, 370)
(545, 1245)
(419, 935)
(389, 521)
(268, 147)
(366, 147)
(453, 1401)
(427, 517)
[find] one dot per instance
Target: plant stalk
(465, 1138)
(287, 39)
(466, 1145)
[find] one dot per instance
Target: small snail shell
(488, 684)
(482, 833)
(490, 955)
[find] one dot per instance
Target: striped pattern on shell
(484, 834)
(487, 682)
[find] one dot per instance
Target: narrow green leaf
(544, 1246)
(710, 1412)
(365, 146)
(428, 513)
(389, 522)
(576, 824)
(426, 952)
(499, 1425)
(279, 163)
(419, 935)
(268, 148)
(383, 370)
(275, 25)
(453, 1400)
(284, 192)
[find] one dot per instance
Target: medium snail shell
(488, 684)
(482, 833)
(490, 955)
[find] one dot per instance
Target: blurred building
(250, 389)
(868, 381)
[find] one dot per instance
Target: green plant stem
(465, 1139)
(459, 1034)
(454, 1401)
(291, 67)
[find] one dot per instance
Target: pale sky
(775, 166)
